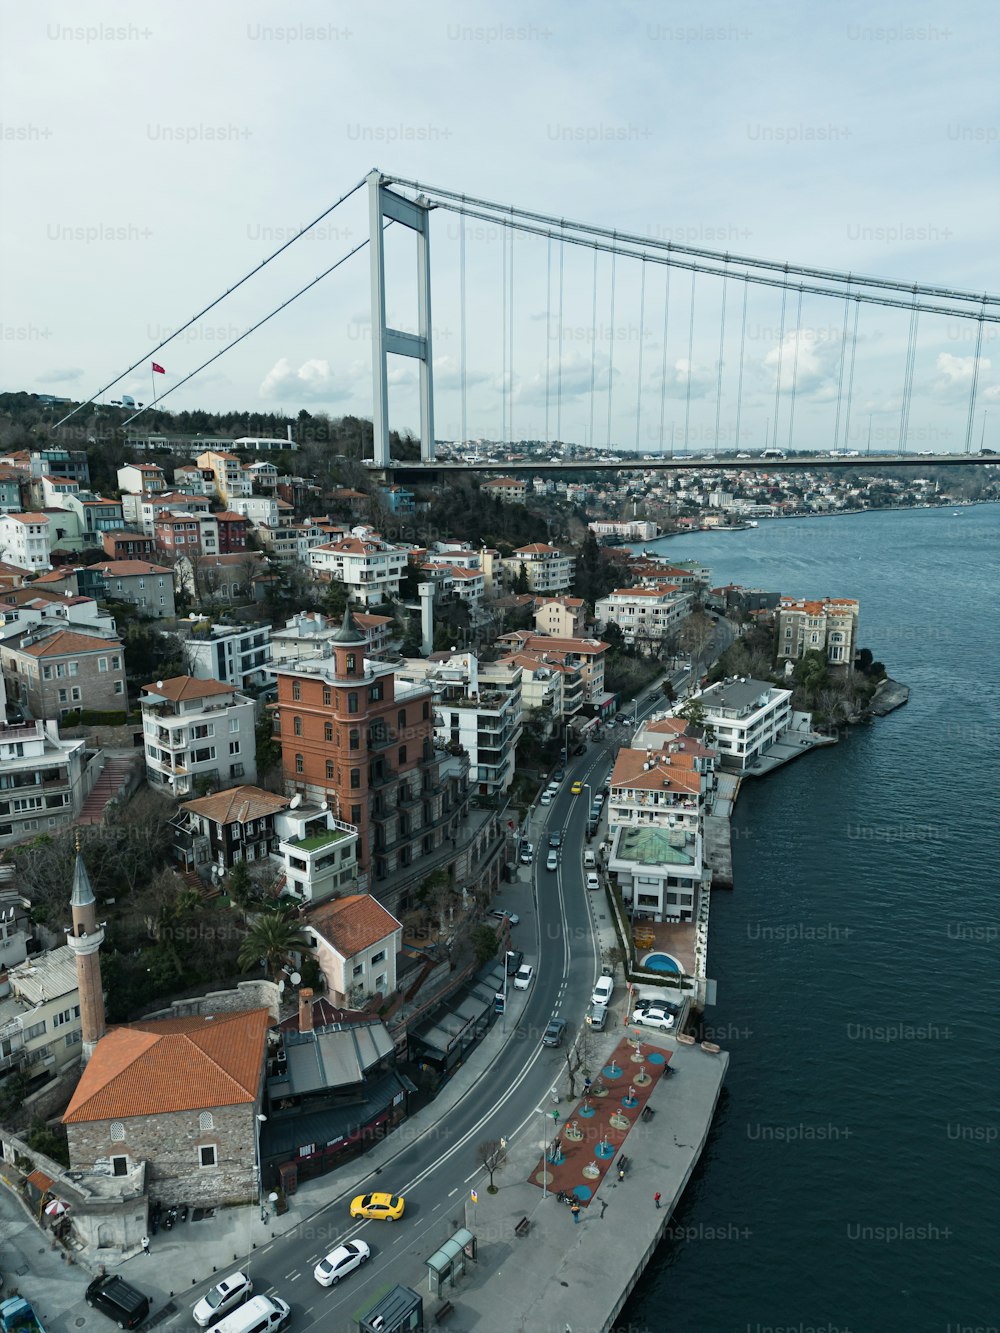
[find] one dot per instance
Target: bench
(647, 1113)
(443, 1311)
(523, 1227)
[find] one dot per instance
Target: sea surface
(852, 1176)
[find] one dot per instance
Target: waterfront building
(547, 569)
(645, 616)
(744, 717)
(828, 626)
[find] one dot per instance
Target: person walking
(145, 1244)
(656, 1198)
(575, 1210)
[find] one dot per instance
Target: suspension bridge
(574, 347)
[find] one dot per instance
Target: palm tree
(271, 939)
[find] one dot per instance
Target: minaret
(85, 938)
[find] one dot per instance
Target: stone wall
(260, 994)
(169, 1145)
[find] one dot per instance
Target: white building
(40, 1029)
(318, 854)
(41, 780)
(238, 655)
(547, 569)
(644, 615)
(197, 730)
(356, 941)
(24, 541)
(477, 707)
(258, 509)
(135, 478)
(369, 567)
(745, 718)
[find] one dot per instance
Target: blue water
(850, 1180)
(660, 962)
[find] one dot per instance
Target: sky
(154, 154)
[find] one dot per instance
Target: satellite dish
(159, 684)
(281, 987)
(295, 978)
(325, 805)
(295, 802)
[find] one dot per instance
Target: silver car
(224, 1296)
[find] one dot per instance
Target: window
(296, 690)
(329, 770)
(63, 696)
(297, 726)
(401, 719)
(206, 1121)
(117, 1132)
(402, 754)
(119, 688)
(234, 747)
(426, 711)
(46, 673)
(102, 664)
(234, 724)
(352, 702)
(119, 1166)
(328, 731)
(235, 770)
(36, 1030)
(73, 668)
(358, 970)
(327, 696)
(354, 740)
(351, 662)
(75, 693)
(375, 693)
(355, 814)
(206, 1155)
(73, 1038)
(378, 957)
(355, 777)
(299, 764)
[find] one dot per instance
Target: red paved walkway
(578, 1155)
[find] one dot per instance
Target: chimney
(305, 1009)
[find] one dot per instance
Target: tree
(239, 885)
(436, 894)
(484, 944)
(521, 585)
(272, 938)
(492, 1153)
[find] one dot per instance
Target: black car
(118, 1299)
(558, 775)
(555, 840)
(514, 960)
(555, 1032)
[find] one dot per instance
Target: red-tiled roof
(68, 643)
(187, 687)
(353, 923)
(239, 805)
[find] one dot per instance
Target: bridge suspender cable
(795, 371)
(548, 337)
(462, 331)
(593, 352)
(743, 344)
(663, 364)
(642, 323)
(559, 361)
(850, 375)
(510, 332)
(972, 388)
(840, 371)
(690, 366)
(781, 357)
(722, 347)
(911, 356)
(211, 306)
(611, 344)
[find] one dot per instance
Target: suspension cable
(611, 345)
(562, 253)
(718, 386)
(593, 353)
(642, 321)
(795, 368)
(973, 386)
(663, 365)
(211, 306)
(690, 365)
(840, 374)
(911, 357)
(548, 335)
(462, 333)
(850, 377)
(781, 357)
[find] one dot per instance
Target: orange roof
(630, 772)
(537, 548)
(69, 642)
(188, 687)
(28, 518)
(127, 568)
(239, 805)
(174, 1064)
(353, 923)
(545, 643)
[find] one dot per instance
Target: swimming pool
(661, 962)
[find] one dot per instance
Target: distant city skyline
(823, 138)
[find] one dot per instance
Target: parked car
(552, 861)
(118, 1299)
(341, 1261)
(554, 1033)
(514, 960)
(501, 913)
(597, 1016)
(592, 881)
(545, 798)
(589, 860)
(378, 1207)
(599, 799)
(603, 990)
(225, 1295)
(527, 854)
(261, 1314)
(558, 775)
(523, 977)
(654, 1017)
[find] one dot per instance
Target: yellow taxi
(576, 788)
(378, 1207)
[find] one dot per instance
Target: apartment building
(40, 1028)
(455, 581)
(125, 545)
(744, 717)
(369, 567)
(510, 490)
(51, 672)
(645, 616)
(560, 617)
(10, 490)
(142, 478)
(477, 708)
(587, 654)
(258, 509)
(140, 583)
(828, 625)
(69, 463)
(142, 511)
(354, 736)
(97, 515)
(181, 531)
(546, 569)
(25, 541)
(197, 732)
(41, 780)
(238, 655)
(356, 942)
(307, 634)
(195, 480)
(230, 476)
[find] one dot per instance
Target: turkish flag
(158, 370)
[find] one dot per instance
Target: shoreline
(836, 513)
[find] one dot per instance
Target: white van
(589, 860)
(263, 1314)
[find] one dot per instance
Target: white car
(341, 1261)
(603, 990)
(527, 854)
(592, 881)
(552, 861)
(655, 1016)
(523, 977)
(545, 798)
(224, 1296)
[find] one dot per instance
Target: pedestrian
(145, 1244)
(621, 1173)
(656, 1198)
(575, 1210)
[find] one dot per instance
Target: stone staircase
(108, 785)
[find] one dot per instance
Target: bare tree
(491, 1153)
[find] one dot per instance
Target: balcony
(381, 775)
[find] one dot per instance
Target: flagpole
(152, 375)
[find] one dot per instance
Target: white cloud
(65, 375)
(954, 374)
(313, 382)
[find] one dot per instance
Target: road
(510, 1097)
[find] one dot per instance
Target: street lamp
(503, 1022)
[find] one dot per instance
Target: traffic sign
(475, 1197)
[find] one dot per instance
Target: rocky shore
(889, 695)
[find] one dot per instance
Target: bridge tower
(415, 214)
